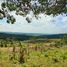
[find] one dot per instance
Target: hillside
(27, 36)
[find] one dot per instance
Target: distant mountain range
(27, 36)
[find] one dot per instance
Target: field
(33, 53)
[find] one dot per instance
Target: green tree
(46, 6)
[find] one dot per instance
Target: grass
(34, 55)
(48, 57)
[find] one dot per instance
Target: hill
(27, 36)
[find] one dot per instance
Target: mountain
(27, 36)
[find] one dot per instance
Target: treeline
(5, 42)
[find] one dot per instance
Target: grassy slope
(43, 56)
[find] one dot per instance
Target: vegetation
(42, 6)
(34, 52)
(3, 5)
(11, 19)
(16, 53)
(11, 6)
(54, 7)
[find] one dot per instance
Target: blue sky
(44, 24)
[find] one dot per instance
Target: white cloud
(44, 24)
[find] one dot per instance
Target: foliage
(11, 19)
(42, 6)
(3, 5)
(11, 7)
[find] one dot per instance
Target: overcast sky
(45, 24)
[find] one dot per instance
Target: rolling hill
(27, 36)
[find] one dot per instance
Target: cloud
(45, 24)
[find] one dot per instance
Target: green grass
(48, 57)
(51, 53)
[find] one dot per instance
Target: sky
(44, 24)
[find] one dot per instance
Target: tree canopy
(48, 7)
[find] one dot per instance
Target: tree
(41, 6)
